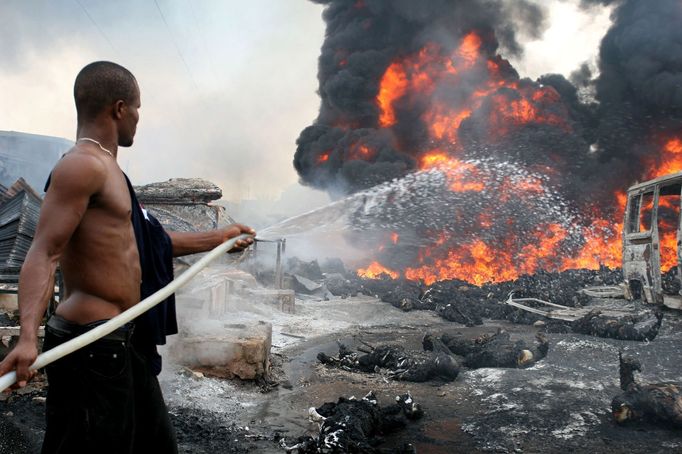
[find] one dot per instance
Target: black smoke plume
(602, 146)
(363, 38)
(450, 56)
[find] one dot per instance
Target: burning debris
(571, 308)
(468, 304)
(400, 364)
(352, 425)
(657, 402)
(496, 350)
(525, 175)
(560, 288)
(462, 302)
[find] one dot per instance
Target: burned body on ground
(641, 326)
(656, 402)
(490, 350)
(356, 426)
(396, 362)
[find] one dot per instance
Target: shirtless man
(105, 397)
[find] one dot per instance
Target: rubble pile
(355, 426)
(397, 362)
(466, 303)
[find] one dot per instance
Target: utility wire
(94, 22)
(175, 43)
(200, 31)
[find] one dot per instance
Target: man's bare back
(100, 263)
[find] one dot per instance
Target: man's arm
(74, 180)
(185, 243)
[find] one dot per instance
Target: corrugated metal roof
(19, 214)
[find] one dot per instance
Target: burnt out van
(651, 241)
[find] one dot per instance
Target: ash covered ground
(560, 403)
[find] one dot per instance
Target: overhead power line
(94, 22)
(175, 43)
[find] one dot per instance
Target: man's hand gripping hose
(143, 306)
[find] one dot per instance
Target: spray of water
(426, 200)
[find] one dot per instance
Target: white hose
(121, 319)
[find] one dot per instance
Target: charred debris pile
(468, 304)
(462, 302)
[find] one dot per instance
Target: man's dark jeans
(103, 398)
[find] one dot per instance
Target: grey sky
(227, 86)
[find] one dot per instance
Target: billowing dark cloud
(363, 38)
(594, 146)
(406, 83)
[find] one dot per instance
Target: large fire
(487, 86)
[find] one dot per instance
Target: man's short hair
(100, 84)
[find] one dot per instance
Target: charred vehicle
(651, 241)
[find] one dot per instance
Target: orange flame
(375, 270)
(361, 151)
(393, 86)
(479, 262)
(672, 159)
(508, 104)
(422, 72)
(469, 48)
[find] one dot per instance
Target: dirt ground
(560, 404)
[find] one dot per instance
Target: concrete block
(234, 350)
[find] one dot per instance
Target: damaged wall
(183, 204)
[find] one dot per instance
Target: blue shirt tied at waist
(156, 262)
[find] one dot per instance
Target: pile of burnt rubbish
(357, 426)
(468, 304)
(442, 358)
(462, 302)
